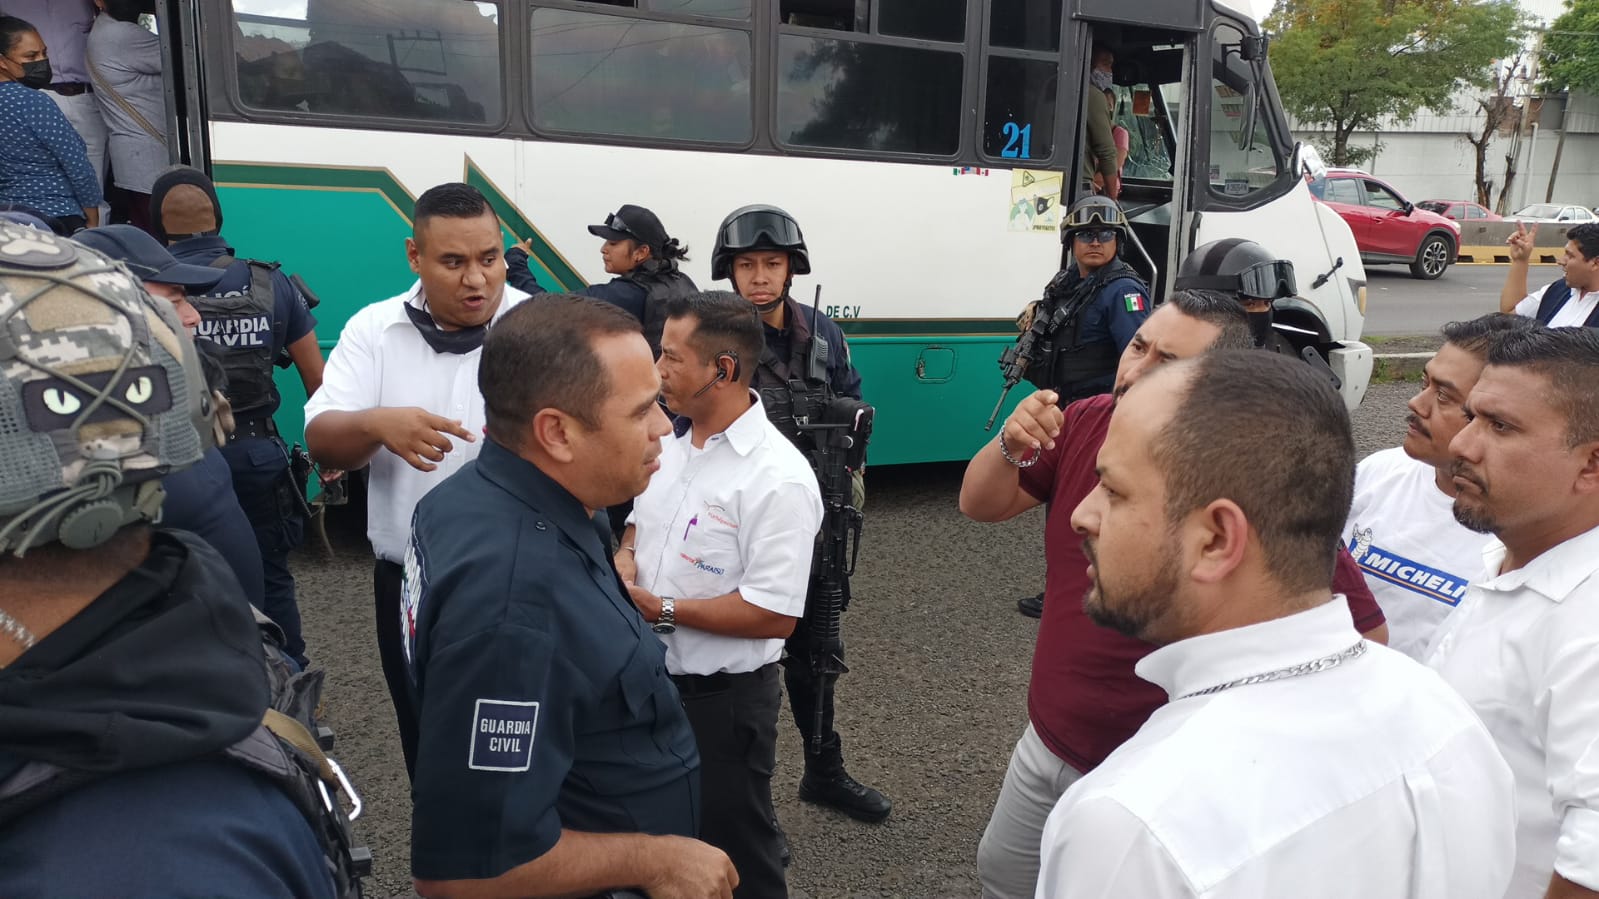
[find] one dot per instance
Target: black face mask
(35, 74)
(1260, 326)
(459, 342)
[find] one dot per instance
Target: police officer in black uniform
(760, 249)
(644, 259)
(1098, 302)
(554, 757)
(1249, 272)
(256, 319)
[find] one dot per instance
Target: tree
(1570, 54)
(1499, 111)
(1347, 64)
(1570, 63)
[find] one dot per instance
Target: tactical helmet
(100, 397)
(1239, 267)
(758, 228)
(1094, 211)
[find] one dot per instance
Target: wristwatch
(666, 622)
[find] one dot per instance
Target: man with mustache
(1524, 647)
(717, 556)
(1294, 758)
(1084, 699)
(1416, 558)
(555, 758)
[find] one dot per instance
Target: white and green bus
(927, 148)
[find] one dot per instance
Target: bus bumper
(1351, 361)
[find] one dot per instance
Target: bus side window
(404, 59)
(1019, 108)
(851, 94)
(628, 77)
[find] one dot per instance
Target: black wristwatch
(666, 622)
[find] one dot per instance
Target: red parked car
(1388, 228)
(1460, 210)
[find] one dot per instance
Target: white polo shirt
(740, 514)
(1573, 313)
(382, 360)
(1416, 558)
(1524, 651)
(1371, 779)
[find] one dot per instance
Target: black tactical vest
(659, 286)
(242, 327)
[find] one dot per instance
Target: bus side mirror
(1308, 161)
(1252, 47)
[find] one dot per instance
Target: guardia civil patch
(1135, 302)
(502, 735)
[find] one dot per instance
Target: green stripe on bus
(544, 253)
(951, 327)
(270, 175)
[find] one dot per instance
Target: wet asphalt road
(935, 698)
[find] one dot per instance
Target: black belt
(255, 427)
(70, 88)
(721, 681)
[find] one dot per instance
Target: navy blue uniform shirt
(1116, 312)
(629, 296)
(291, 316)
(200, 500)
(842, 377)
(542, 694)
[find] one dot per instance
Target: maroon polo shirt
(1084, 699)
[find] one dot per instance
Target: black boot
(1031, 606)
(827, 783)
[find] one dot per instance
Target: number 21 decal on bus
(1018, 141)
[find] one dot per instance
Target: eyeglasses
(1095, 235)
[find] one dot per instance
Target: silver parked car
(1552, 212)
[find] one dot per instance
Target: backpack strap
(1554, 296)
(294, 733)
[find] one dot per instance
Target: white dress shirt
(1573, 313)
(740, 514)
(381, 360)
(1524, 651)
(1371, 779)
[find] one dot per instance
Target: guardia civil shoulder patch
(502, 735)
(1135, 302)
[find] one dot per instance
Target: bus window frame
(966, 132)
(758, 90)
(986, 51)
(1203, 197)
(226, 59)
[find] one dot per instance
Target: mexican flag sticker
(1135, 302)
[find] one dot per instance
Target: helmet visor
(1268, 280)
(1100, 212)
(761, 227)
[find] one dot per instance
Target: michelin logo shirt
(1416, 558)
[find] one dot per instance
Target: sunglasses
(1092, 235)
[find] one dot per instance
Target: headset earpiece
(738, 367)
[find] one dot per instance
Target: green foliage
(1346, 64)
(1570, 54)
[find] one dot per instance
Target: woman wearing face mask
(43, 162)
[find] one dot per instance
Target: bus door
(178, 24)
(1155, 48)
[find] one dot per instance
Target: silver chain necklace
(15, 629)
(1316, 666)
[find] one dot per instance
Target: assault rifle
(1052, 312)
(832, 432)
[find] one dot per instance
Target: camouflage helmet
(1094, 211)
(101, 395)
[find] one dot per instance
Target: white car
(1549, 212)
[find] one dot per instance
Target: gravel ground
(933, 703)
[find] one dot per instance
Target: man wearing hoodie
(130, 666)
